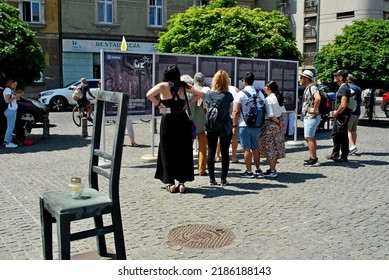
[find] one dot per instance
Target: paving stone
(335, 211)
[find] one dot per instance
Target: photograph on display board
(131, 74)
(210, 65)
(185, 63)
(284, 73)
(258, 67)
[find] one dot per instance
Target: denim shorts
(249, 137)
(310, 126)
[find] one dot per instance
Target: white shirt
(275, 109)
(241, 98)
(13, 105)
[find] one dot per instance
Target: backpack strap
(255, 97)
(246, 92)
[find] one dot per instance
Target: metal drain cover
(201, 236)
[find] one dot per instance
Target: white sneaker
(353, 150)
(10, 145)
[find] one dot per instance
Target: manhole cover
(201, 236)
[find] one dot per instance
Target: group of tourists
(184, 102)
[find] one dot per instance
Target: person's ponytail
(280, 98)
(272, 85)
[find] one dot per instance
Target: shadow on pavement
(374, 123)
(355, 163)
(294, 178)
(217, 191)
(54, 143)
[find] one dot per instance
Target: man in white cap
(310, 111)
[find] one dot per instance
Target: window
(156, 12)
(201, 3)
(105, 11)
(32, 11)
(345, 15)
(310, 28)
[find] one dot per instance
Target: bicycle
(77, 115)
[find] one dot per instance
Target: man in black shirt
(341, 117)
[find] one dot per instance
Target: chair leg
(63, 232)
(46, 231)
(100, 239)
(120, 247)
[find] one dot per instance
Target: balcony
(309, 57)
(310, 6)
(310, 33)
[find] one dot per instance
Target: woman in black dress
(175, 153)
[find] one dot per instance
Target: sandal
(171, 188)
(181, 188)
(134, 144)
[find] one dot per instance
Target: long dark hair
(272, 85)
(172, 75)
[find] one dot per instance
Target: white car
(58, 99)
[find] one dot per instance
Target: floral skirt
(271, 141)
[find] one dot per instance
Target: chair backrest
(115, 157)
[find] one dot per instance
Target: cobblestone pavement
(335, 211)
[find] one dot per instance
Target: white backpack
(352, 102)
(77, 94)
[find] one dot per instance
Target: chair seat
(90, 204)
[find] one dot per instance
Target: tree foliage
(21, 58)
(362, 49)
(223, 3)
(223, 29)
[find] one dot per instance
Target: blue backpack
(254, 111)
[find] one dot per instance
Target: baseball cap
(308, 74)
(342, 73)
(350, 77)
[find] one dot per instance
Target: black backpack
(3, 104)
(213, 118)
(325, 102)
(253, 115)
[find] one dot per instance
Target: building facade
(43, 17)
(317, 22)
(72, 32)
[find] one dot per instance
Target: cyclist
(83, 101)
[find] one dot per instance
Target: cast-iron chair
(59, 207)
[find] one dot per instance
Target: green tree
(21, 58)
(223, 29)
(362, 49)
